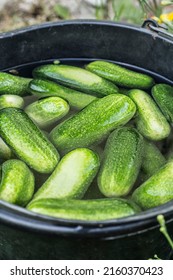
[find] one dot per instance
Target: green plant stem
(163, 229)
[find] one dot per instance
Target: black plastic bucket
(25, 235)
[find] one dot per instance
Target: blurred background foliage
(18, 13)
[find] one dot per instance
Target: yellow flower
(156, 19)
(166, 17)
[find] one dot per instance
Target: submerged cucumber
(76, 99)
(120, 75)
(163, 95)
(149, 120)
(152, 159)
(77, 78)
(27, 141)
(157, 190)
(17, 182)
(87, 210)
(121, 163)
(8, 100)
(94, 122)
(72, 176)
(5, 151)
(10, 84)
(47, 111)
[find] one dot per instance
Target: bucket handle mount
(154, 26)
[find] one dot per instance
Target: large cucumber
(17, 182)
(149, 120)
(163, 95)
(10, 84)
(72, 176)
(157, 190)
(76, 78)
(87, 210)
(47, 111)
(120, 75)
(94, 122)
(27, 141)
(8, 100)
(76, 99)
(121, 162)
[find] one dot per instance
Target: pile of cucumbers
(90, 144)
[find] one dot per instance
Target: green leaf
(62, 11)
(128, 11)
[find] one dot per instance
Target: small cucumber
(5, 151)
(157, 190)
(163, 95)
(94, 122)
(121, 162)
(17, 182)
(27, 141)
(152, 159)
(76, 78)
(149, 120)
(15, 85)
(8, 100)
(76, 99)
(47, 111)
(72, 176)
(120, 75)
(87, 210)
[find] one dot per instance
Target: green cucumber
(47, 111)
(72, 176)
(8, 100)
(27, 141)
(5, 151)
(121, 162)
(17, 182)
(120, 75)
(76, 99)
(76, 78)
(163, 95)
(152, 159)
(149, 120)
(93, 123)
(86, 210)
(157, 190)
(15, 85)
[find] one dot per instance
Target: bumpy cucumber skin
(76, 99)
(157, 190)
(86, 210)
(15, 85)
(93, 123)
(5, 151)
(72, 176)
(76, 78)
(27, 141)
(149, 120)
(153, 159)
(47, 111)
(17, 182)
(119, 75)
(9, 100)
(121, 163)
(163, 95)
